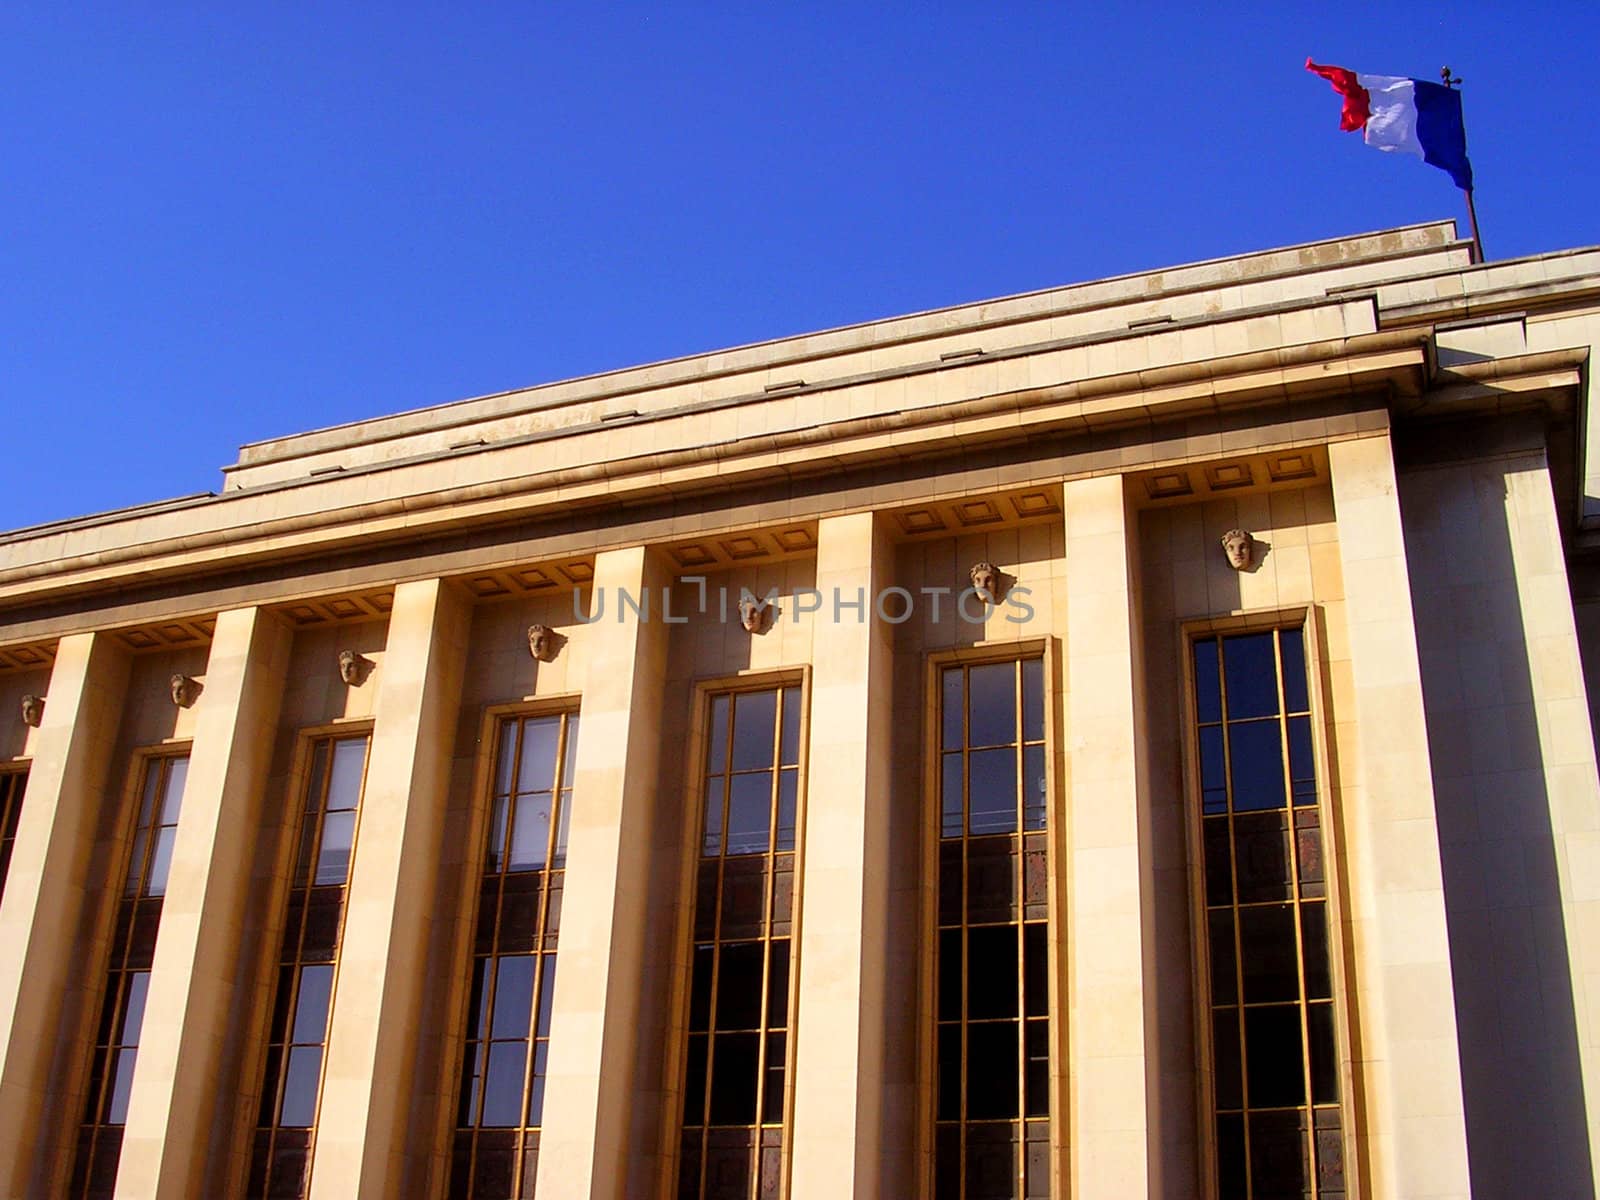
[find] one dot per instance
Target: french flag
(1412, 116)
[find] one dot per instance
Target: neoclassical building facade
(1127, 740)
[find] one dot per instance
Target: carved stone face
(542, 642)
(986, 581)
(183, 690)
(752, 614)
(1240, 548)
(350, 664)
(32, 710)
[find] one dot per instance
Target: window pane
(992, 715)
(152, 789)
(121, 1086)
(789, 751)
(992, 972)
(992, 1070)
(1267, 953)
(507, 759)
(739, 986)
(733, 1078)
(750, 813)
(536, 769)
(1036, 973)
(136, 863)
(1033, 700)
(311, 1009)
(1213, 771)
(788, 788)
(333, 856)
(993, 796)
(1207, 688)
(753, 717)
(497, 832)
(1292, 647)
(1302, 773)
(1033, 788)
(502, 1093)
(530, 832)
(172, 797)
(712, 843)
(1256, 756)
(300, 1087)
(951, 796)
(952, 708)
(160, 861)
(541, 1069)
(1324, 1060)
(778, 984)
(1274, 1056)
(717, 758)
(344, 782)
(133, 1008)
(1314, 935)
(563, 828)
(1251, 675)
(1224, 983)
(547, 993)
(513, 997)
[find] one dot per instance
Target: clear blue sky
(229, 222)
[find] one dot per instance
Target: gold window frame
(271, 948)
(1312, 621)
(1056, 842)
(480, 808)
(675, 1066)
(113, 891)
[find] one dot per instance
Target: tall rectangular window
(501, 1106)
(1270, 1009)
(741, 999)
(992, 1036)
(133, 947)
(12, 784)
(280, 1159)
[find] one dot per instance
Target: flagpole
(1450, 81)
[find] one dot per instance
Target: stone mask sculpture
(986, 582)
(353, 667)
(184, 689)
(753, 614)
(32, 710)
(1240, 548)
(543, 642)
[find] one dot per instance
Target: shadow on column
(1515, 1007)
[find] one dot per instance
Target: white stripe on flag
(1393, 123)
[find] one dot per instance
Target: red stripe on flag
(1357, 103)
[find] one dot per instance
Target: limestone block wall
(1518, 811)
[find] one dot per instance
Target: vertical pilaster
(43, 905)
(171, 1110)
(838, 1063)
(372, 1033)
(1417, 1143)
(1111, 1023)
(583, 1145)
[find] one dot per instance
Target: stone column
(192, 997)
(584, 1143)
(373, 1029)
(40, 955)
(1110, 937)
(1395, 914)
(839, 1039)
